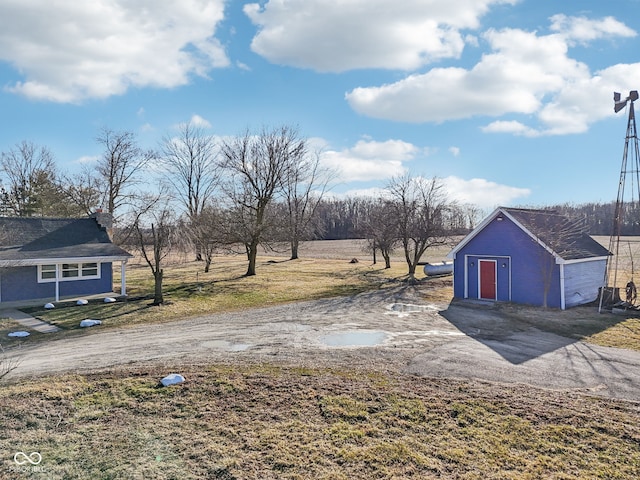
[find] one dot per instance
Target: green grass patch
(264, 421)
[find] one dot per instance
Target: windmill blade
(620, 105)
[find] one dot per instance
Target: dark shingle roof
(562, 235)
(23, 239)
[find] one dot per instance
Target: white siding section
(582, 281)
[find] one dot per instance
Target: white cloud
(198, 121)
(69, 51)
(510, 126)
(524, 74)
(481, 192)
(455, 151)
(331, 36)
(582, 29)
(370, 160)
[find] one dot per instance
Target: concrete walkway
(28, 321)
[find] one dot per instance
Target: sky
(508, 102)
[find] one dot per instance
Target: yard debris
(18, 334)
(90, 323)
(49, 306)
(172, 379)
(82, 301)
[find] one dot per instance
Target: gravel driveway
(392, 329)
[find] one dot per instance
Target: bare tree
(83, 190)
(304, 186)
(119, 167)
(419, 209)
(31, 181)
(555, 235)
(192, 169)
(380, 229)
(473, 214)
(209, 232)
(154, 227)
(257, 166)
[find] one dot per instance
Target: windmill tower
(620, 267)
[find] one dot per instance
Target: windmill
(627, 212)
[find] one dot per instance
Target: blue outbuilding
(533, 257)
(52, 258)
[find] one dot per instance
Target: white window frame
(41, 270)
(59, 276)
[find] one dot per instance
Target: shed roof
(560, 235)
(25, 239)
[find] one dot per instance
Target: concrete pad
(28, 321)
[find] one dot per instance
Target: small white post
(57, 282)
(123, 278)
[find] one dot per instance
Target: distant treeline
(349, 218)
(598, 218)
(342, 219)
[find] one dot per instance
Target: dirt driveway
(392, 329)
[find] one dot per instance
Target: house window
(89, 269)
(47, 272)
(68, 272)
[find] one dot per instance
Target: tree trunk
(207, 263)
(252, 254)
(412, 270)
(294, 249)
(158, 299)
(387, 260)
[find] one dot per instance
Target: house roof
(23, 240)
(557, 233)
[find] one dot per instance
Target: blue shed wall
(21, 283)
(524, 268)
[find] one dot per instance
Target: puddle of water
(428, 333)
(409, 308)
(353, 339)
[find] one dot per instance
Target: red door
(487, 279)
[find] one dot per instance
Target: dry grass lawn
(266, 422)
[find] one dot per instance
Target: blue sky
(509, 102)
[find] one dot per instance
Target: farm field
(274, 411)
